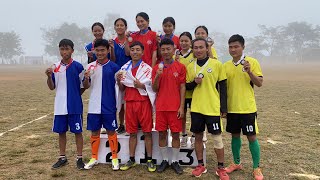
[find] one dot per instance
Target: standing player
(202, 32)
(243, 72)
(169, 79)
(65, 76)
(147, 37)
(136, 83)
(203, 75)
(168, 25)
(118, 55)
(186, 57)
(100, 78)
(97, 31)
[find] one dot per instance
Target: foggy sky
(26, 17)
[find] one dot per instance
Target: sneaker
(91, 163)
(80, 164)
(192, 140)
(121, 129)
(222, 173)
(128, 165)
(184, 141)
(115, 164)
(103, 131)
(257, 174)
(151, 166)
(233, 167)
(199, 170)
(163, 166)
(61, 162)
(176, 167)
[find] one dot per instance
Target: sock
(220, 165)
(200, 162)
(236, 146)
(63, 157)
(164, 153)
(184, 135)
(79, 156)
(175, 152)
(149, 158)
(255, 153)
(113, 142)
(132, 159)
(95, 142)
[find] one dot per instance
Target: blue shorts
(95, 122)
(61, 123)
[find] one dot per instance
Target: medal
(161, 66)
(200, 75)
(209, 40)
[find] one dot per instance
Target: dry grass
(29, 152)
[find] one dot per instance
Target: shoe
(199, 170)
(121, 129)
(192, 140)
(128, 165)
(115, 164)
(80, 164)
(91, 163)
(163, 166)
(257, 174)
(151, 166)
(61, 162)
(222, 173)
(233, 167)
(184, 141)
(103, 131)
(176, 167)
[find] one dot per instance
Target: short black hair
(137, 43)
(200, 39)
(202, 27)
(101, 42)
(65, 43)
(166, 41)
(169, 19)
(121, 19)
(97, 24)
(186, 33)
(235, 38)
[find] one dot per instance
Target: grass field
(288, 113)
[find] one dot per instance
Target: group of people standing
(140, 72)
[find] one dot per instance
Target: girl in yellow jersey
(186, 57)
(202, 32)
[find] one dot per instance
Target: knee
(217, 141)
(175, 135)
(133, 135)
(198, 136)
(251, 138)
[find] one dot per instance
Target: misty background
(275, 31)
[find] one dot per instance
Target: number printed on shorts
(77, 126)
(215, 126)
(249, 128)
(114, 123)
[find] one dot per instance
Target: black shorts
(245, 122)
(187, 103)
(199, 122)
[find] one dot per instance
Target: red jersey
(132, 94)
(168, 96)
(149, 41)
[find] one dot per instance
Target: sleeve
(256, 69)
(223, 95)
(154, 71)
(214, 53)
(81, 75)
(222, 72)
(154, 42)
(183, 74)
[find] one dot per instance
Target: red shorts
(168, 118)
(138, 112)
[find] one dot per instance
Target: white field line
(20, 126)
